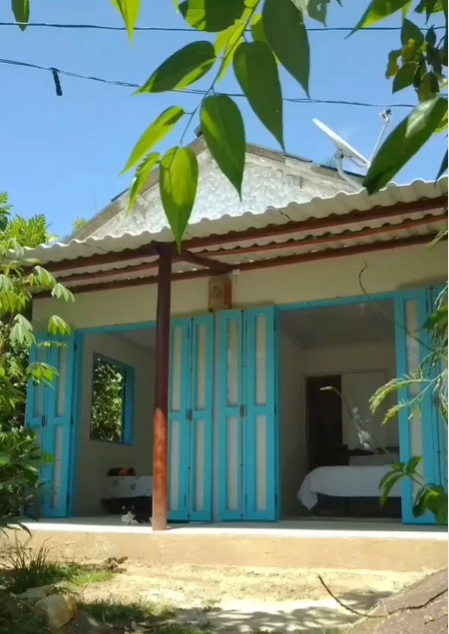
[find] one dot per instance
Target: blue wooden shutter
(178, 431)
(57, 430)
(201, 418)
(416, 436)
(231, 415)
(36, 394)
(260, 421)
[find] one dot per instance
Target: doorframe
(80, 335)
(428, 443)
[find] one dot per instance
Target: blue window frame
(112, 402)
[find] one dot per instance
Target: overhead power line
(168, 29)
(55, 72)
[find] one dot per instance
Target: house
(320, 287)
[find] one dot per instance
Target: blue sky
(62, 155)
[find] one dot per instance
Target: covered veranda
(321, 229)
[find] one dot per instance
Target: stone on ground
(57, 610)
(36, 594)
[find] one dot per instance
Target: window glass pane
(108, 401)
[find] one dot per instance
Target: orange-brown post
(160, 424)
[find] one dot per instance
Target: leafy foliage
(108, 398)
(254, 38)
(20, 455)
(18, 278)
(20, 462)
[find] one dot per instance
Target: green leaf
(61, 292)
(211, 15)
(258, 29)
(404, 142)
(438, 319)
(257, 73)
(159, 129)
(287, 37)
(410, 31)
(21, 10)
(22, 331)
(43, 278)
(140, 177)
(377, 11)
(178, 182)
(224, 131)
(392, 64)
(129, 10)
(227, 42)
(431, 36)
(428, 86)
(412, 464)
(315, 9)
(57, 326)
(5, 458)
(404, 76)
(387, 486)
(443, 168)
(443, 125)
(430, 6)
(181, 69)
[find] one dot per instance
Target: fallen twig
(379, 616)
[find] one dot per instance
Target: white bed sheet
(344, 481)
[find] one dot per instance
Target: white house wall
(383, 272)
(95, 457)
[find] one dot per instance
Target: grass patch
(33, 568)
(117, 613)
(150, 616)
(29, 568)
(79, 576)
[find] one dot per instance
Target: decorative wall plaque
(220, 293)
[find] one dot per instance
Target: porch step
(392, 548)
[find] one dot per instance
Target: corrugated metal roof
(341, 204)
(333, 228)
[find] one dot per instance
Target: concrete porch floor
(312, 544)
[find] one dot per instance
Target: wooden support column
(160, 423)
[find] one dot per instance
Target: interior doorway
(334, 450)
(324, 420)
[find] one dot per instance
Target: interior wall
(356, 363)
(96, 457)
(293, 439)
(349, 361)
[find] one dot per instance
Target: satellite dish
(346, 151)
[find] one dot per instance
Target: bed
(124, 492)
(351, 489)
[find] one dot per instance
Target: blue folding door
(420, 429)
(49, 409)
(190, 419)
(247, 438)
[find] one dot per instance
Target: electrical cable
(192, 91)
(167, 29)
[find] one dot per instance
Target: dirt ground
(251, 599)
